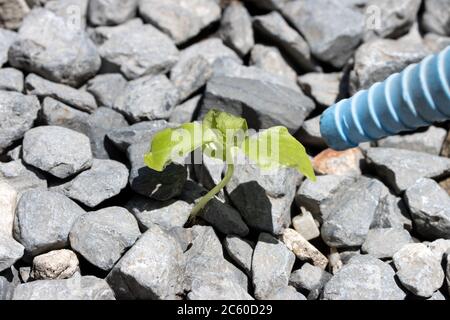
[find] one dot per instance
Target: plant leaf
(170, 144)
(274, 148)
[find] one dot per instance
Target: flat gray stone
(45, 46)
(43, 220)
(56, 113)
(274, 29)
(10, 251)
(286, 293)
(311, 279)
(325, 26)
(137, 133)
(106, 88)
(418, 269)
(7, 38)
(429, 205)
(104, 180)
(384, 243)
(79, 99)
(271, 266)
(56, 264)
(136, 49)
(323, 87)
(194, 67)
(111, 12)
(207, 268)
(17, 115)
(103, 236)
(436, 17)
(236, 28)
(11, 79)
(224, 218)
(9, 279)
(270, 59)
(429, 141)
(151, 269)
(240, 96)
(218, 290)
(147, 98)
(440, 248)
(352, 214)
(241, 251)
(166, 214)
(263, 198)
(59, 151)
(378, 59)
(185, 112)
(392, 213)
(21, 177)
(402, 168)
(179, 19)
(75, 288)
(161, 186)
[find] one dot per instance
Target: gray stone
(75, 288)
(185, 112)
(418, 269)
(17, 115)
(384, 243)
(436, 43)
(183, 236)
(181, 20)
(10, 251)
(402, 168)
(363, 278)
(166, 214)
(243, 96)
(147, 98)
(9, 279)
(440, 248)
(194, 67)
(136, 49)
(241, 251)
(286, 293)
(305, 224)
(107, 12)
(42, 88)
(276, 30)
(57, 264)
(271, 266)
(263, 198)
(104, 180)
(151, 269)
(224, 218)
(43, 220)
(270, 59)
(387, 19)
(436, 17)
(311, 279)
(317, 197)
(206, 267)
(325, 26)
(218, 290)
(310, 134)
(136, 133)
(429, 205)
(73, 11)
(8, 200)
(21, 177)
(161, 186)
(59, 151)
(429, 141)
(352, 214)
(236, 28)
(106, 88)
(11, 79)
(56, 113)
(45, 47)
(378, 59)
(103, 236)
(12, 12)
(323, 87)
(392, 213)
(226, 67)
(7, 38)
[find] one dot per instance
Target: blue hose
(416, 97)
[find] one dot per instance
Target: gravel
(106, 88)
(11, 79)
(241, 251)
(311, 279)
(384, 243)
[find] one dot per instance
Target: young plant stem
(211, 194)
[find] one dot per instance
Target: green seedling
(222, 135)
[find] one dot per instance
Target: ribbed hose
(416, 97)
